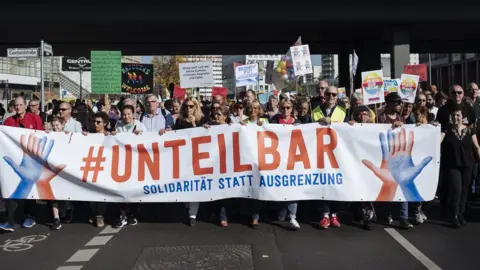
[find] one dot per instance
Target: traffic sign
(47, 49)
(22, 52)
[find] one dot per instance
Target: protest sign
(106, 72)
(137, 78)
(341, 92)
(221, 91)
(372, 85)
(179, 93)
(246, 75)
(271, 162)
(390, 86)
(420, 70)
(408, 87)
(197, 74)
(302, 62)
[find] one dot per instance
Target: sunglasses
(98, 122)
(218, 114)
(63, 109)
(190, 106)
(322, 88)
(422, 100)
(457, 93)
(331, 94)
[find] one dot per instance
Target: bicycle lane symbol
(22, 244)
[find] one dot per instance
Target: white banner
(197, 74)
(273, 162)
(246, 75)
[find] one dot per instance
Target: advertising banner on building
(76, 63)
(137, 78)
(270, 162)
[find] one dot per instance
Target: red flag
(222, 91)
(179, 93)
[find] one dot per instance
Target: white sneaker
(423, 215)
(419, 218)
(294, 224)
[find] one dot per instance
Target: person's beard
(429, 105)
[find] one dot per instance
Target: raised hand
(397, 165)
(34, 166)
(389, 187)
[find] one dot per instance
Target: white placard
(408, 87)
(246, 75)
(197, 74)
(302, 62)
(372, 86)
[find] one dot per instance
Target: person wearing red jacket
(21, 119)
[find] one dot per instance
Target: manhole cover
(196, 257)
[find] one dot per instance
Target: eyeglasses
(190, 106)
(239, 108)
(98, 122)
(331, 94)
(63, 109)
(457, 93)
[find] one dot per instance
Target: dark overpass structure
(143, 28)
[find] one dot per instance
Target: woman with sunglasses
(98, 209)
(221, 117)
(190, 116)
(254, 114)
(285, 118)
(238, 115)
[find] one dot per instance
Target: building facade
(447, 69)
(386, 63)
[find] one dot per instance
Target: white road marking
(83, 255)
(109, 230)
(99, 240)
(412, 249)
(76, 267)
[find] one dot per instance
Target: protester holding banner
(302, 108)
(238, 115)
(272, 107)
(254, 114)
(330, 111)
(459, 146)
(191, 116)
(155, 118)
(98, 209)
(22, 119)
(71, 125)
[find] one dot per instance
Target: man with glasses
(156, 119)
(330, 111)
(71, 125)
(456, 97)
(34, 107)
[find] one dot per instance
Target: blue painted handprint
(33, 166)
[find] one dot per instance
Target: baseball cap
(392, 97)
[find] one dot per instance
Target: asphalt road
(171, 244)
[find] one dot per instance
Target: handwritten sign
(302, 62)
(197, 74)
(106, 72)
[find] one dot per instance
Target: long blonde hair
(197, 112)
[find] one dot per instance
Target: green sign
(106, 72)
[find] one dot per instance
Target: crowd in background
(456, 110)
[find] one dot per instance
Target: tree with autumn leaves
(165, 72)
